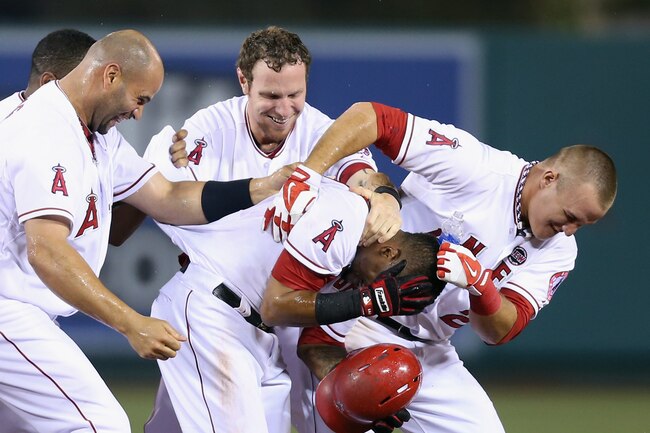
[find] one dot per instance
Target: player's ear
(548, 178)
(243, 82)
(46, 77)
(112, 74)
(389, 252)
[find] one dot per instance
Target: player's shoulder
(9, 104)
(557, 247)
(226, 114)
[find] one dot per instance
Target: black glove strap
(385, 189)
(337, 307)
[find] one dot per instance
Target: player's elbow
(269, 312)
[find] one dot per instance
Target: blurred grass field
(523, 409)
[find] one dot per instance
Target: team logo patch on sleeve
(555, 282)
(58, 183)
(441, 140)
(327, 236)
(196, 155)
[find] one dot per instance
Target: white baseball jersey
(222, 347)
(220, 145)
(9, 104)
(50, 168)
(452, 171)
(53, 170)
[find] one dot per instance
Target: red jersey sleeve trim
(391, 128)
(316, 335)
(525, 312)
(352, 169)
(295, 275)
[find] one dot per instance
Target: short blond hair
(586, 164)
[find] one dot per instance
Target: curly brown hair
(276, 47)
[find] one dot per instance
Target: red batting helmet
(368, 385)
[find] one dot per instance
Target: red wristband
(488, 303)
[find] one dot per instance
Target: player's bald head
(586, 164)
(133, 51)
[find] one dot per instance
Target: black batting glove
(390, 295)
(388, 424)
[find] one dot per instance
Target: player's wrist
(385, 189)
(219, 199)
(337, 307)
(489, 300)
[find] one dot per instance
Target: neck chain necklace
(520, 188)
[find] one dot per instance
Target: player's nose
(570, 228)
(138, 112)
(283, 107)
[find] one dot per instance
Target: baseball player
(232, 379)
(268, 127)
(56, 196)
(519, 218)
(54, 56)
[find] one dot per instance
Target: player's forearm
(493, 328)
(68, 275)
(354, 130)
(292, 309)
(283, 306)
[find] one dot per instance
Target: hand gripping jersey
(55, 170)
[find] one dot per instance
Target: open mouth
(279, 120)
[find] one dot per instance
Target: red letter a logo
(58, 184)
(327, 236)
(90, 221)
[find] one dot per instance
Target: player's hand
(153, 338)
(384, 219)
(388, 424)
(296, 197)
(178, 151)
(263, 187)
(458, 266)
(390, 295)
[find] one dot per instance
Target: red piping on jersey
(45, 208)
(345, 173)
(325, 271)
(523, 289)
(408, 143)
(295, 275)
(136, 182)
(51, 380)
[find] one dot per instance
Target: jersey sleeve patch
(391, 128)
(555, 281)
(293, 274)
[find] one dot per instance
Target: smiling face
(275, 100)
(126, 95)
(556, 207)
